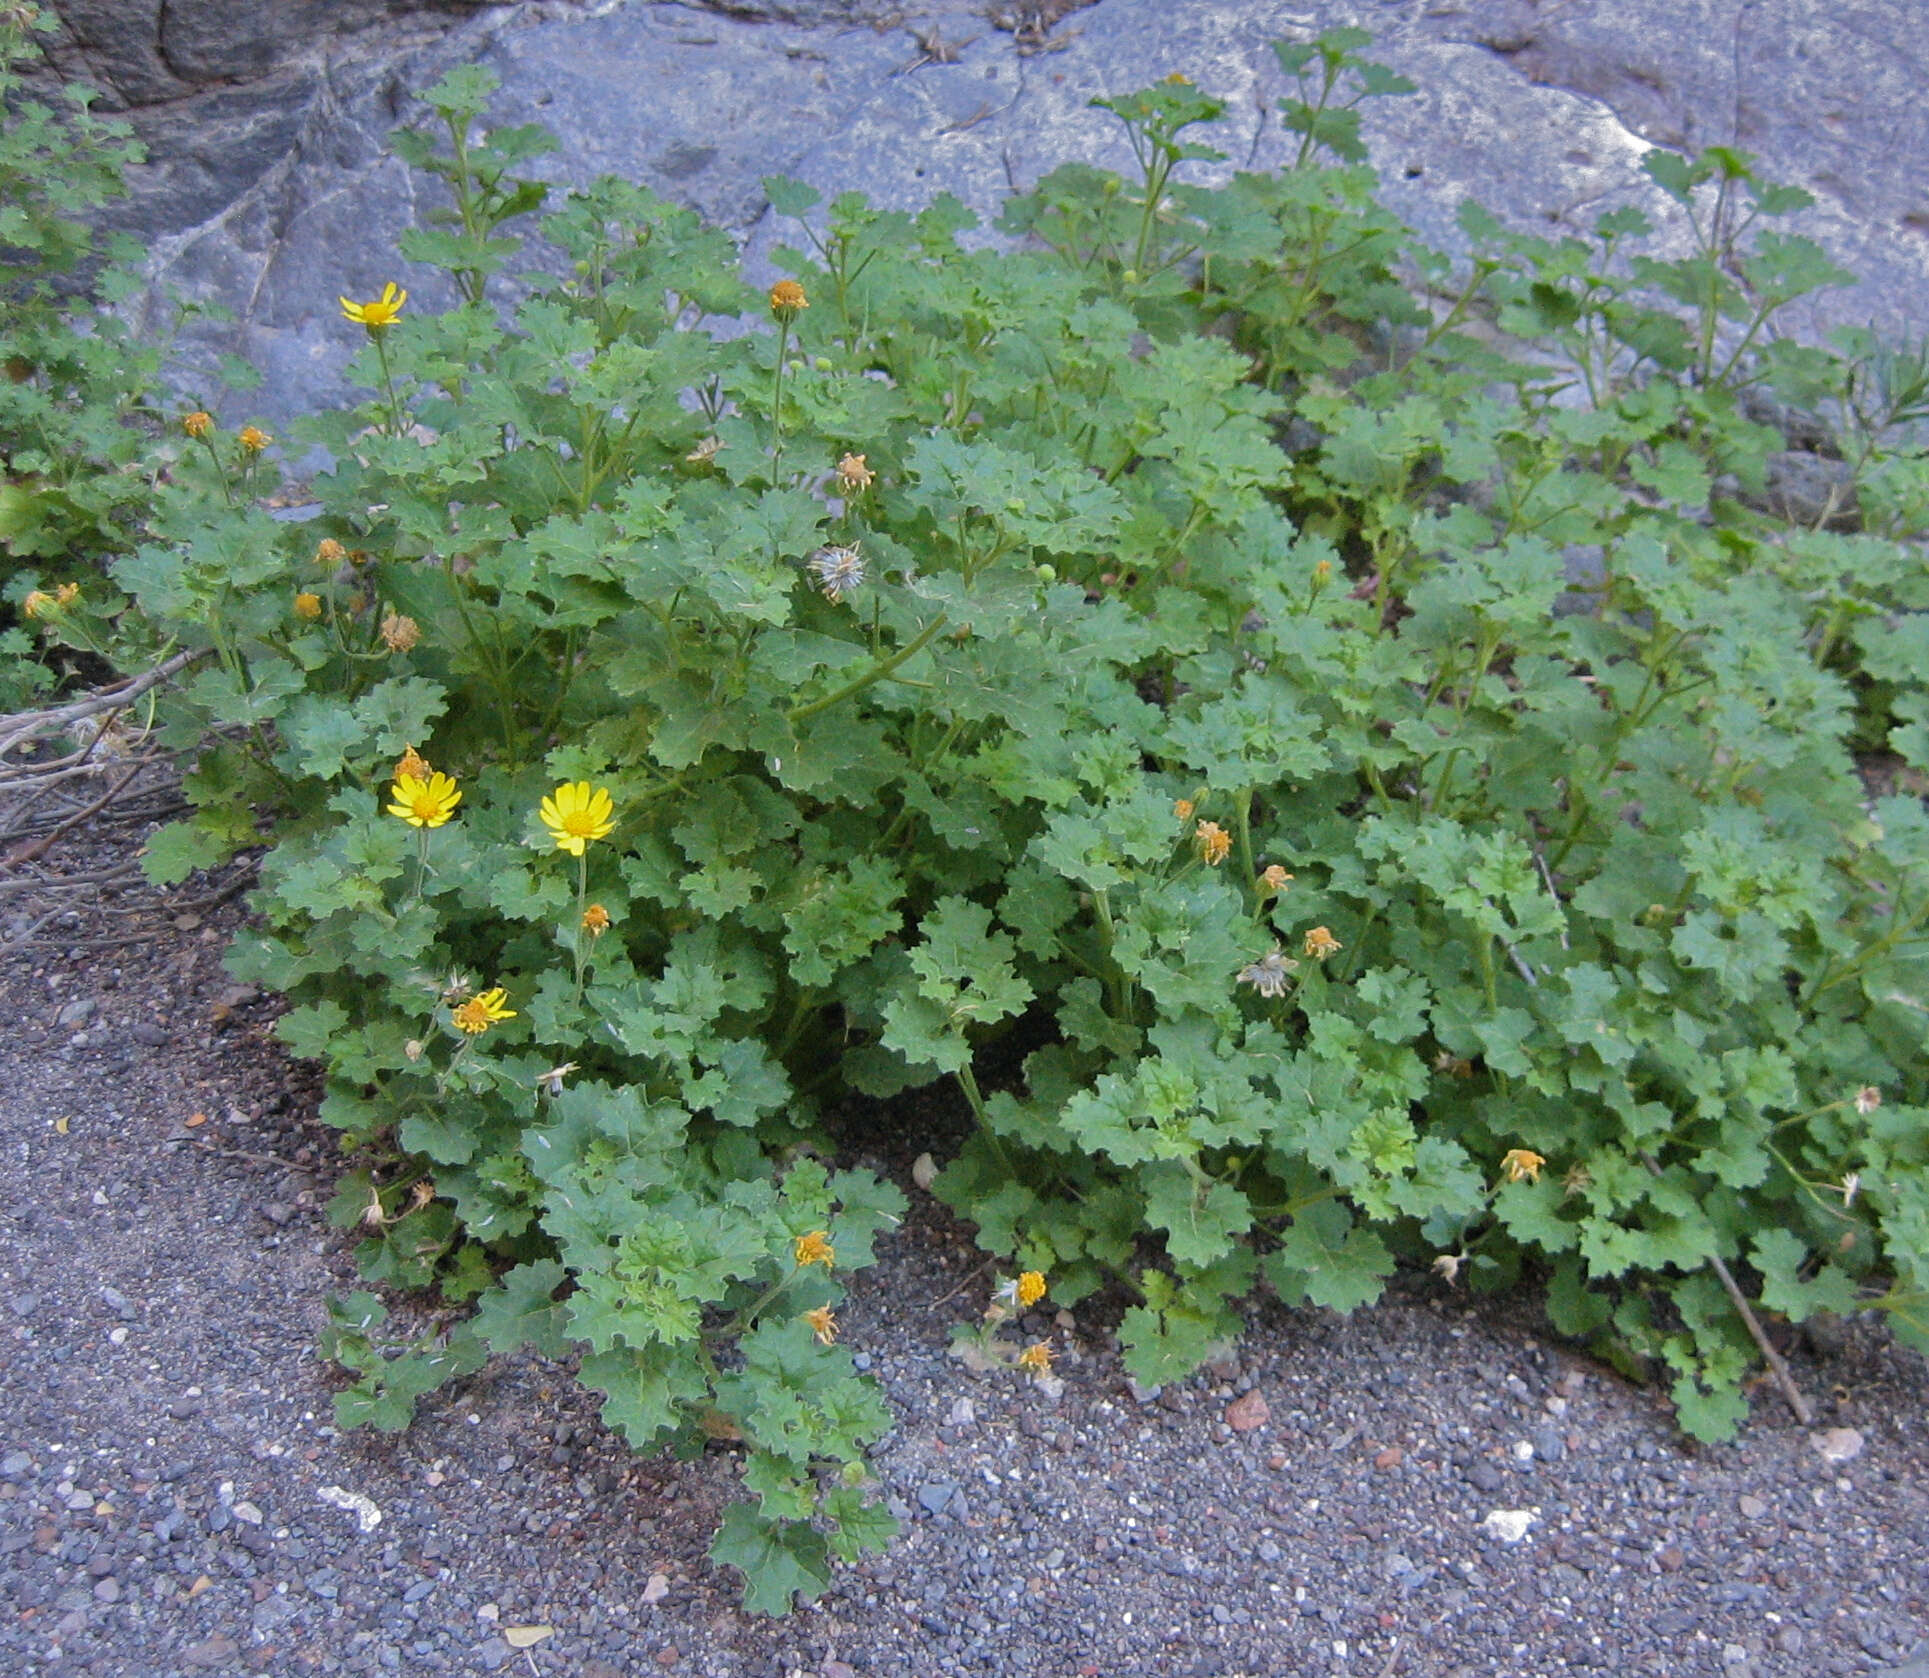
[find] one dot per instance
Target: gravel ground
(173, 1500)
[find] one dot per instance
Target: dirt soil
(1431, 1487)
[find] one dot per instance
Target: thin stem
(876, 673)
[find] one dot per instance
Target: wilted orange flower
(400, 633)
(596, 920)
(328, 551)
(1274, 879)
(380, 313)
(787, 297)
(823, 1324)
(37, 604)
(198, 424)
(253, 439)
(308, 606)
(1183, 808)
(1214, 842)
(482, 1011)
(853, 476)
(1521, 1165)
(1036, 1359)
(412, 763)
(1320, 944)
(814, 1248)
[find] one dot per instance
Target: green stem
(777, 396)
(968, 1082)
(876, 673)
(396, 427)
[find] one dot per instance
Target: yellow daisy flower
(481, 1011)
(424, 802)
(378, 314)
(1214, 842)
(575, 813)
(814, 1248)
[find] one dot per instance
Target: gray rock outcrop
(270, 189)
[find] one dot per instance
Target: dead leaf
(60, 1127)
(200, 1585)
(1838, 1444)
(1245, 1414)
(716, 1425)
(924, 1171)
(195, 1119)
(526, 1637)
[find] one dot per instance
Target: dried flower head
(1851, 1187)
(1320, 944)
(1268, 975)
(198, 424)
(596, 920)
(1867, 1099)
(379, 314)
(481, 1011)
(1036, 1359)
(413, 763)
(37, 604)
(66, 594)
(328, 551)
(1452, 1065)
(421, 1194)
(786, 298)
(552, 1081)
(1274, 879)
(814, 1248)
(415, 1049)
(308, 606)
(704, 452)
(252, 439)
(1214, 842)
(823, 1324)
(1521, 1165)
(424, 802)
(853, 476)
(838, 571)
(400, 633)
(1447, 1266)
(1182, 808)
(576, 813)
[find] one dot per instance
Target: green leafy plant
(1406, 790)
(74, 470)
